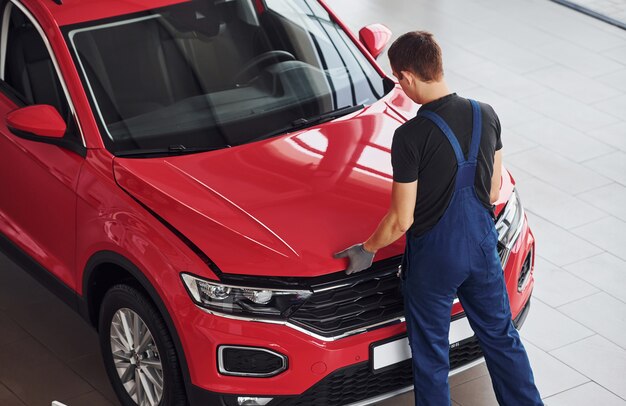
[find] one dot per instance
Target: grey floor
(558, 80)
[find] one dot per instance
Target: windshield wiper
(308, 122)
(169, 151)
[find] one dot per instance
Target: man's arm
(395, 223)
(397, 220)
(496, 178)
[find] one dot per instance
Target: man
(453, 147)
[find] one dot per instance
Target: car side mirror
(375, 38)
(39, 120)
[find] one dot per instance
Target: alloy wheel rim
(136, 358)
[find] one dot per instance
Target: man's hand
(359, 257)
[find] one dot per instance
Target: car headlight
(509, 224)
(244, 301)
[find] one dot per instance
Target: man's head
(415, 59)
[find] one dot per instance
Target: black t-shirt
(420, 151)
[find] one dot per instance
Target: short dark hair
(419, 53)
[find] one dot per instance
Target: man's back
(421, 152)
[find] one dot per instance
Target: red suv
(180, 173)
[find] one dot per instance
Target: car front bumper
(354, 385)
(333, 372)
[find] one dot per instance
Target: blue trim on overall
(458, 256)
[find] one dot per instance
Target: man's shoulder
(486, 107)
(463, 102)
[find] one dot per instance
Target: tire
(126, 314)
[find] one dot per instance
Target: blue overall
(459, 256)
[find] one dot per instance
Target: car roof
(77, 11)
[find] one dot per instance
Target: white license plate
(398, 350)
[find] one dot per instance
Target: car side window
(27, 68)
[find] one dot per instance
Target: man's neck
(435, 90)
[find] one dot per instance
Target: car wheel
(139, 356)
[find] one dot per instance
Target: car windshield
(207, 74)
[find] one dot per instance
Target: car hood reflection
(277, 207)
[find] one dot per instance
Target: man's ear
(408, 76)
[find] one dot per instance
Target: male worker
(453, 147)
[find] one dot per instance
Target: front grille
(465, 353)
(358, 382)
(356, 305)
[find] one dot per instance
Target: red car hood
(283, 206)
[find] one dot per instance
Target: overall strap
(447, 131)
(466, 168)
(477, 130)
(466, 173)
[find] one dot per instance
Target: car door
(37, 179)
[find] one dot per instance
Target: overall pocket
(489, 247)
